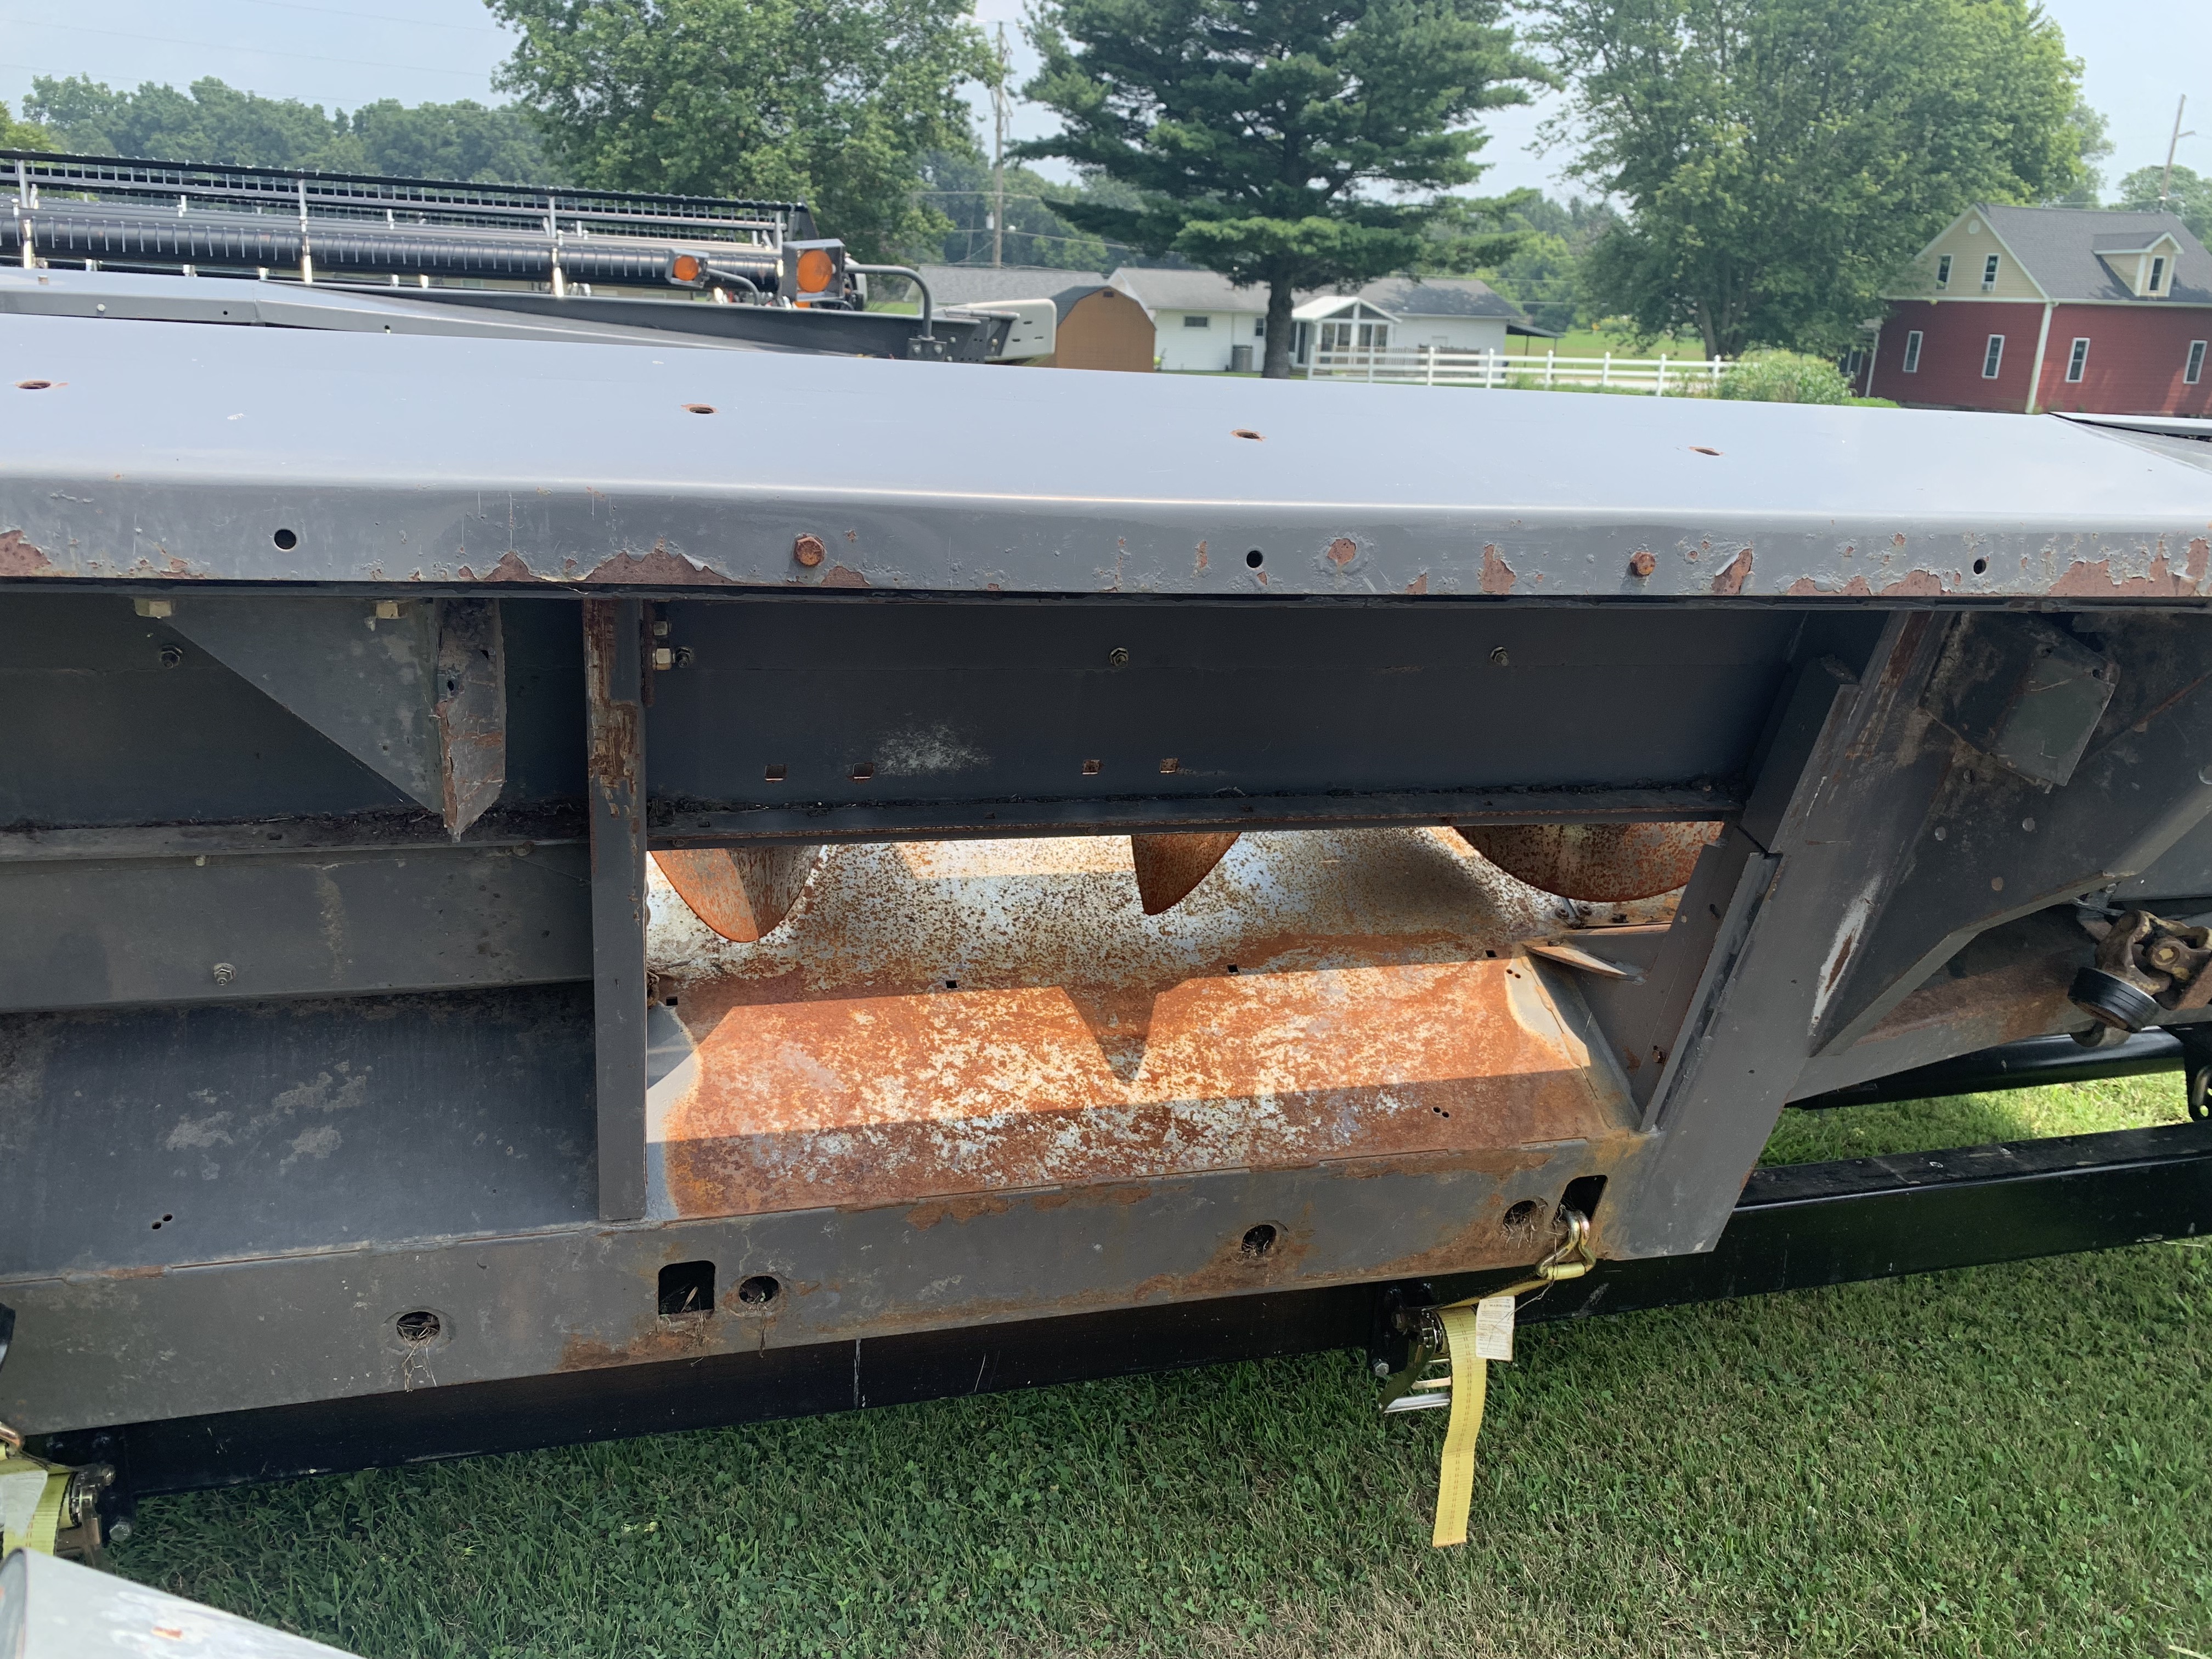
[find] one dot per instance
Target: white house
(1452, 313)
(1203, 322)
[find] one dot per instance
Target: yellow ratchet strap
(31, 1495)
(1470, 1381)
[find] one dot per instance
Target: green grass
(2001, 1461)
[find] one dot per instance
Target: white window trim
(1913, 344)
(2192, 369)
(1993, 357)
(1990, 266)
(2077, 360)
(1196, 320)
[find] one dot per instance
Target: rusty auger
(1447, 1364)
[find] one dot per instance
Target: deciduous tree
(1781, 161)
(834, 102)
(1284, 143)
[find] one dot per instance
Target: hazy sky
(2139, 58)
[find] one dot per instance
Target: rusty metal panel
(954, 1021)
(147, 456)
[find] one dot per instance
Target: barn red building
(2053, 309)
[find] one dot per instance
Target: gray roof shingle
(968, 285)
(2058, 248)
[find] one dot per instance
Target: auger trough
(563, 876)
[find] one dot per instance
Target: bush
(1785, 377)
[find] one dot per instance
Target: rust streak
(1497, 574)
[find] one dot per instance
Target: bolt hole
(1699, 449)
(758, 1291)
(686, 1287)
(1522, 1214)
(1247, 432)
(1232, 967)
(775, 773)
(33, 385)
(1440, 1111)
(951, 984)
(701, 409)
(157, 1225)
(417, 1327)
(1091, 768)
(1981, 567)
(286, 540)
(1259, 1241)
(863, 772)
(1255, 558)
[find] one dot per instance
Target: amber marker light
(816, 270)
(687, 268)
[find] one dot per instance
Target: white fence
(1440, 366)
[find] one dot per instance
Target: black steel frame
(1797, 1227)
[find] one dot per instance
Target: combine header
(564, 881)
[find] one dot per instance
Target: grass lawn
(2001, 1461)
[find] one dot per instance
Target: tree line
(1758, 171)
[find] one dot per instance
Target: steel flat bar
(1795, 1228)
(2028, 1064)
(979, 820)
(615, 793)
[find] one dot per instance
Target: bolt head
(1118, 657)
(1499, 659)
(1381, 1368)
(808, 551)
(223, 973)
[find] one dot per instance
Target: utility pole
(998, 115)
(2174, 143)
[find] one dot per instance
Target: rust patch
(1597, 862)
(925, 1216)
(1915, 583)
(1730, 580)
(19, 558)
(657, 1339)
(2084, 580)
(1642, 563)
(658, 568)
(1323, 998)
(1343, 550)
(840, 575)
(2200, 554)
(1201, 563)
(511, 568)
(617, 725)
(1808, 588)
(1497, 574)
(1419, 584)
